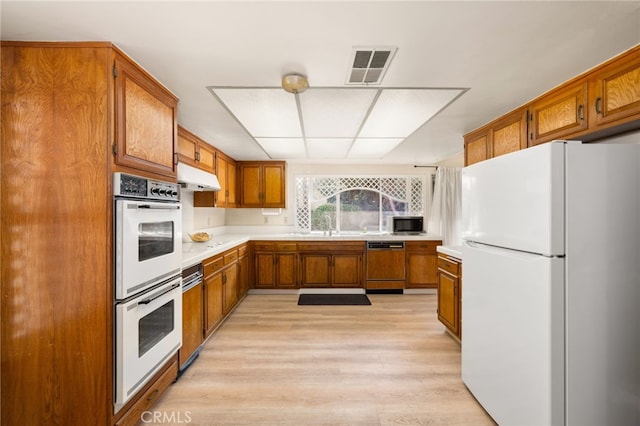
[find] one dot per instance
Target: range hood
(192, 179)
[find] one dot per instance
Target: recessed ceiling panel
(400, 112)
(264, 112)
(283, 148)
(373, 147)
(328, 147)
(336, 113)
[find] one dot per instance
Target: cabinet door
(476, 149)
(616, 98)
(250, 185)
(192, 322)
(286, 270)
(244, 275)
(274, 185)
(421, 270)
(509, 133)
(559, 115)
(221, 172)
(145, 121)
(187, 148)
(448, 301)
(316, 270)
(230, 287)
(207, 157)
(213, 301)
(265, 270)
(231, 183)
(347, 270)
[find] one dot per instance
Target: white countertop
(193, 253)
(453, 251)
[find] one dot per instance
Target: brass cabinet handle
(598, 100)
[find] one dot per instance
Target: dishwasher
(385, 267)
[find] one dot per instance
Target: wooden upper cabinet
(225, 168)
(559, 114)
(476, 148)
(509, 133)
(616, 95)
(195, 152)
(145, 119)
(262, 184)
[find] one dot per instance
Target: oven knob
(174, 193)
(154, 191)
(162, 192)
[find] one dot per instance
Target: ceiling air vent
(369, 64)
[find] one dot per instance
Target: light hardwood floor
(276, 363)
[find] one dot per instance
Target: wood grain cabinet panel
(195, 152)
(63, 106)
(616, 95)
(262, 184)
(192, 322)
(476, 149)
(559, 114)
(276, 265)
(146, 126)
(509, 133)
(421, 264)
(225, 170)
(316, 270)
(449, 293)
(213, 309)
(347, 270)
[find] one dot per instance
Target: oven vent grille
(369, 64)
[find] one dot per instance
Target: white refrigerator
(551, 284)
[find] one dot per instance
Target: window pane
(319, 211)
(359, 209)
(392, 207)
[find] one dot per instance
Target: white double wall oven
(147, 271)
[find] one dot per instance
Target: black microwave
(408, 225)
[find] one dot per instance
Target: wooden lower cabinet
(213, 308)
(229, 287)
(135, 413)
(192, 321)
(245, 270)
(449, 293)
(331, 264)
(276, 265)
(221, 288)
(421, 264)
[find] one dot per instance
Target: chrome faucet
(327, 224)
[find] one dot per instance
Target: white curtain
(445, 216)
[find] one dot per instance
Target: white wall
(632, 137)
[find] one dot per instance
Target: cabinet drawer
(212, 265)
(262, 246)
(449, 265)
(243, 250)
(423, 246)
(148, 399)
(230, 257)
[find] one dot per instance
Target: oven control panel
(131, 186)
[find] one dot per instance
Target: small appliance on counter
(407, 225)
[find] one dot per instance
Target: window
(356, 203)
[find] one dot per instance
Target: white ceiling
(506, 53)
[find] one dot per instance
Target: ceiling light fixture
(295, 83)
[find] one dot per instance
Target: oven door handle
(150, 207)
(155, 296)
